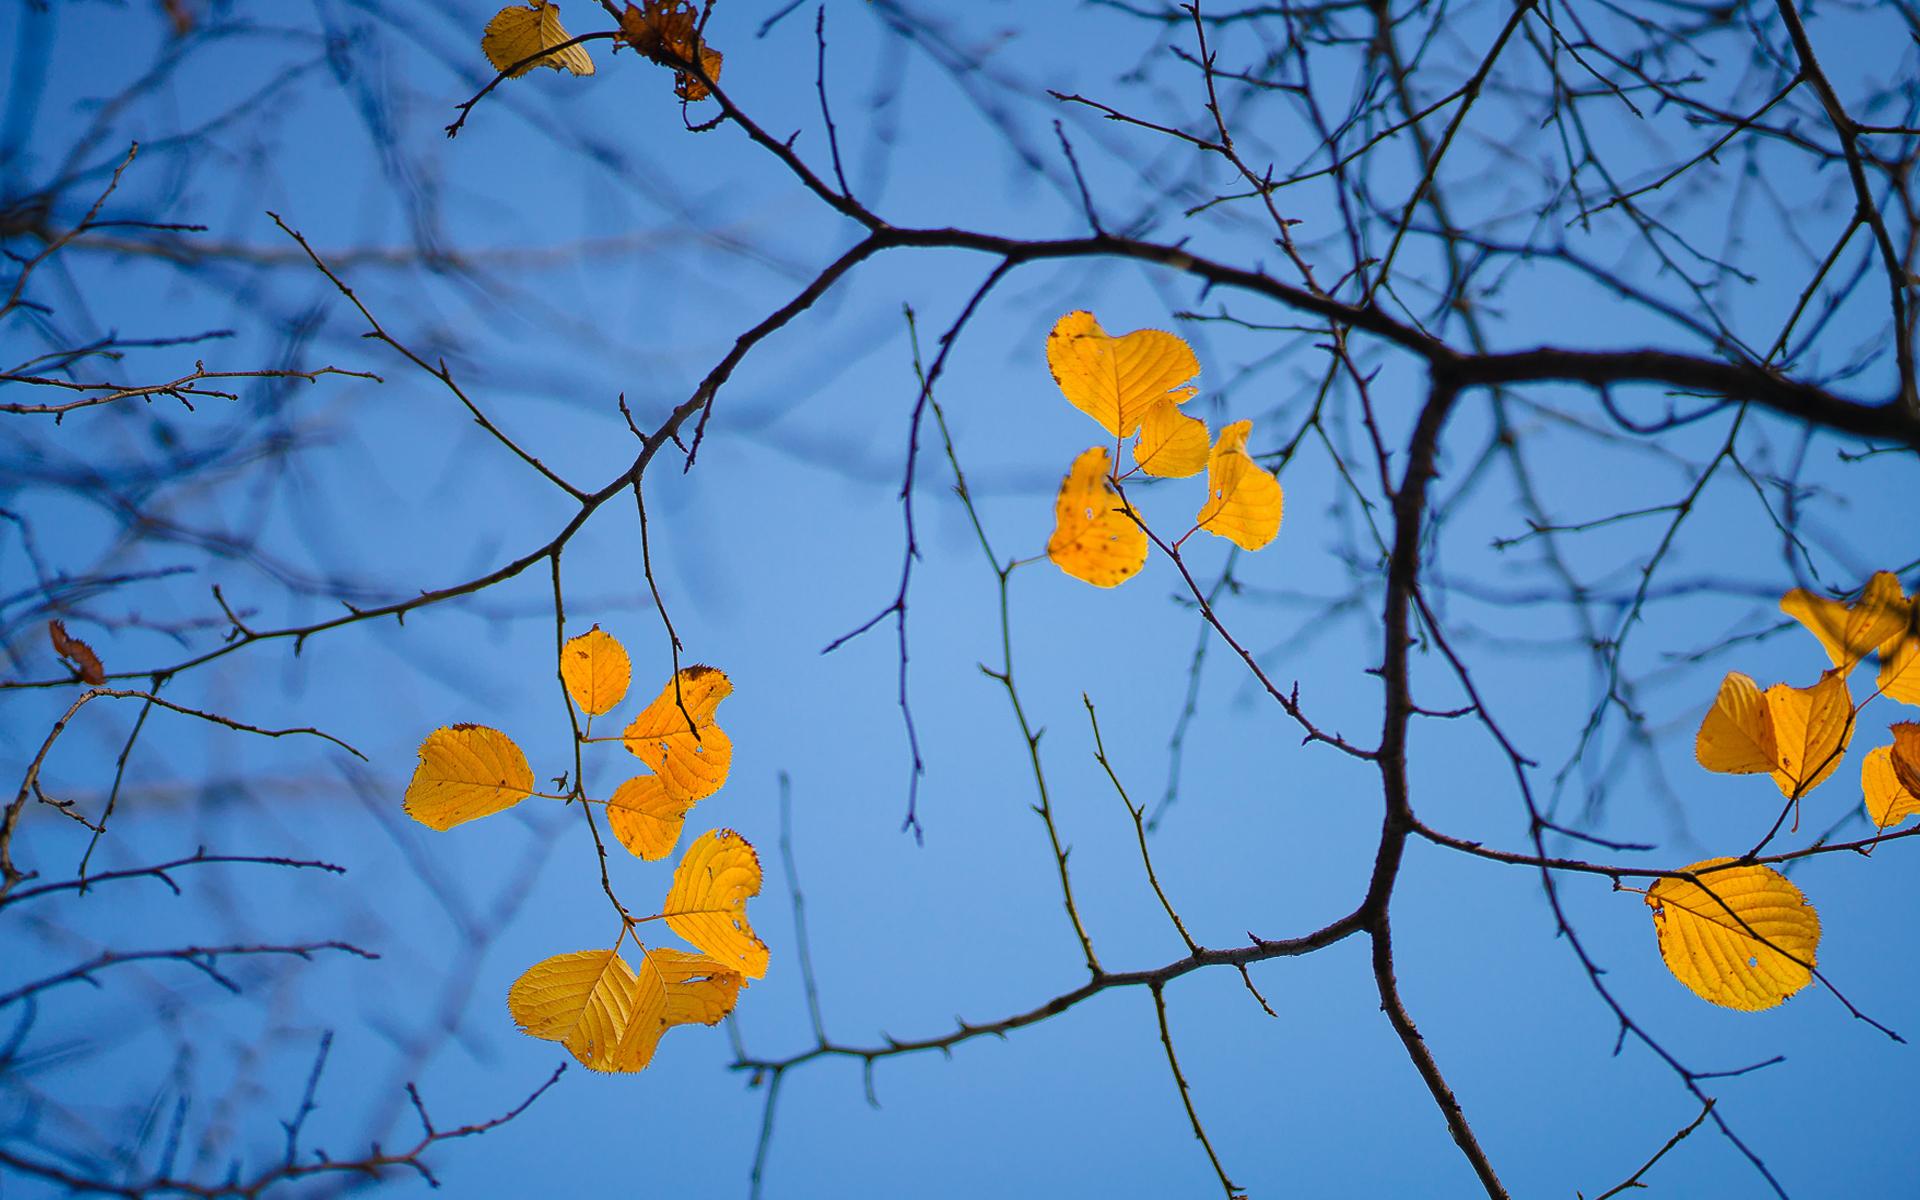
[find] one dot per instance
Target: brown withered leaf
(690, 89)
(668, 32)
(1906, 755)
(77, 652)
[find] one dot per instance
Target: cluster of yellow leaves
(1133, 386)
(1795, 734)
(1743, 936)
(521, 37)
(593, 1002)
(609, 1016)
(689, 754)
(1798, 735)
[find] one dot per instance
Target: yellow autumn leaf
(1171, 443)
(519, 31)
(1812, 726)
(668, 32)
(466, 772)
(700, 991)
(673, 988)
(1115, 380)
(1887, 801)
(1899, 677)
(646, 817)
(584, 1001)
(596, 670)
(707, 904)
(610, 1017)
(1093, 537)
(1244, 500)
(1905, 755)
(1742, 937)
(1850, 632)
(691, 767)
(1737, 736)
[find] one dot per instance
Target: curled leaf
(1093, 537)
(596, 670)
(692, 760)
(668, 32)
(673, 988)
(1115, 380)
(646, 817)
(1884, 620)
(690, 87)
(707, 904)
(1812, 726)
(1741, 937)
(1244, 501)
(1171, 443)
(1850, 632)
(1737, 736)
(466, 772)
(1887, 799)
(520, 31)
(1904, 755)
(1899, 677)
(85, 662)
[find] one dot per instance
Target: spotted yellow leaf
(646, 817)
(1850, 632)
(1171, 443)
(692, 761)
(1244, 501)
(707, 904)
(1812, 726)
(1115, 380)
(1740, 937)
(466, 772)
(1737, 736)
(596, 670)
(610, 1017)
(520, 31)
(1887, 800)
(1093, 537)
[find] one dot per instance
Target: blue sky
(658, 247)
